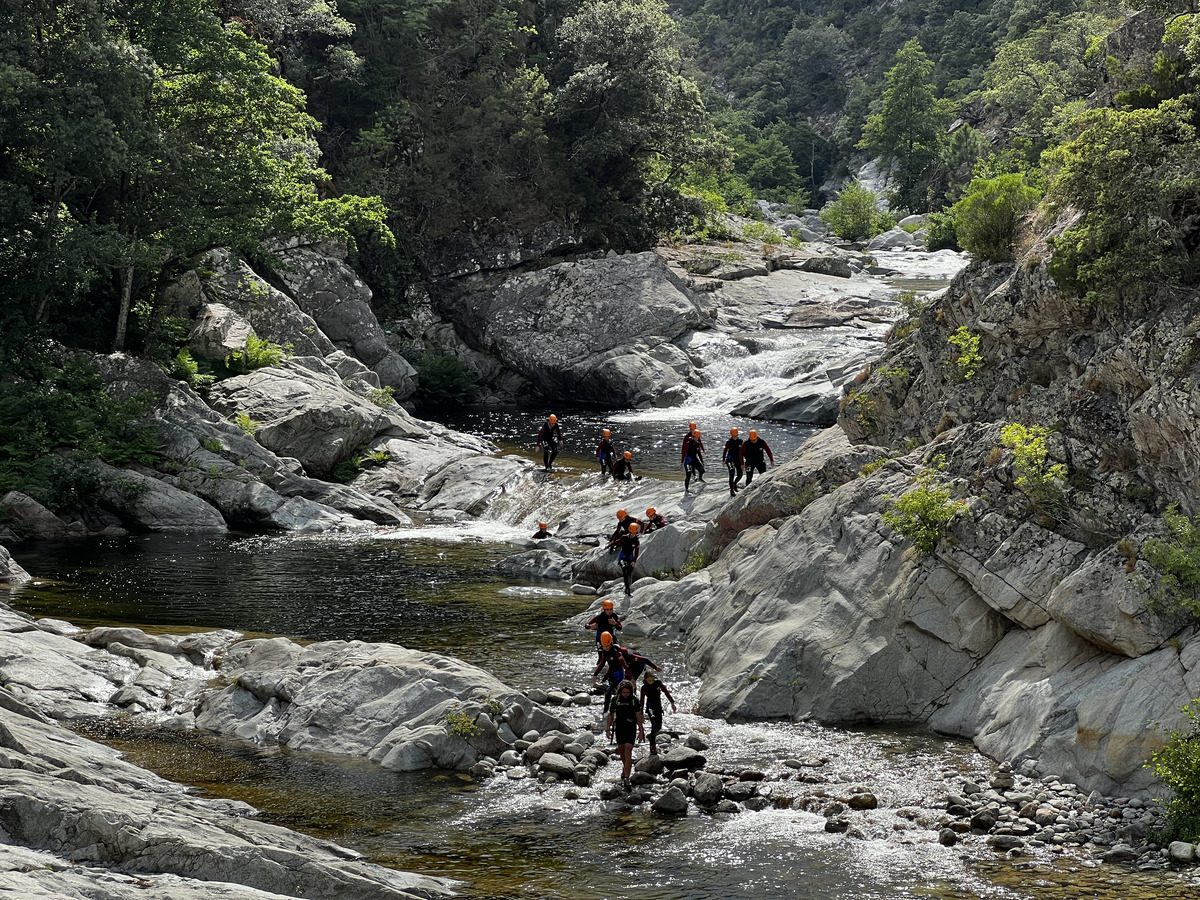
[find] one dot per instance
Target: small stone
(863, 801)
(947, 837)
(728, 806)
(671, 803)
(837, 826)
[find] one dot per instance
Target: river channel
(437, 590)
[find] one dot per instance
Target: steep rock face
(598, 331)
(11, 572)
(329, 291)
(1035, 646)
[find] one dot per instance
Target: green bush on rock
(923, 513)
(1177, 765)
(1176, 559)
(855, 215)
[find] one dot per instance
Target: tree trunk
(123, 315)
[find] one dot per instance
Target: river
(435, 588)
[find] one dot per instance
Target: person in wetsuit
(606, 453)
(654, 520)
(629, 548)
(752, 456)
(651, 702)
(624, 520)
(542, 532)
(625, 723)
(623, 469)
(604, 622)
(732, 456)
(693, 459)
(549, 439)
(611, 656)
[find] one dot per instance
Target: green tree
(855, 214)
(985, 220)
(906, 131)
(629, 123)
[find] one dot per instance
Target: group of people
(740, 457)
(624, 710)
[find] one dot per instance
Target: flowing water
(435, 588)
(503, 838)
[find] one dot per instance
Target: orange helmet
(733, 432)
(541, 524)
(607, 606)
(621, 514)
(606, 639)
(753, 435)
(628, 455)
(607, 433)
(650, 512)
(553, 420)
(634, 529)
(691, 426)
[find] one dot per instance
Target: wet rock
(862, 801)
(707, 789)
(740, 791)
(1181, 852)
(727, 806)
(754, 804)
(696, 741)
(557, 764)
(611, 791)
(837, 826)
(25, 515)
(671, 803)
(682, 758)
(1005, 842)
(651, 764)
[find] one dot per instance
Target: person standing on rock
(652, 694)
(623, 470)
(752, 456)
(629, 548)
(693, 459)
(604, 622)
(733, 460)
(606, 453)
(654, 520)
(549, 439)
(625, 723)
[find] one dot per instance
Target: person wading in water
(733, 460)
(752, 455)
(549, 439)
(625, 723)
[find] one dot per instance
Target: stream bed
(437, 590)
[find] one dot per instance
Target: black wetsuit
(752, 457)
(606, 453)
(625, 713)
(622, 530)
(605, 621)
(653, 709)
(549, 439)
(733, 462)
(629, 547)
(654, 522)
(623, 469)
(693, 460)
(618, 670)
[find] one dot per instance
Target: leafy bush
(985, 220)
(1042, 482)
(697, 560)
(185, 368)
(1177, 765)
(761, 231)
(460, 724)
(384, 396)
(940, 233)
(854, 215)
(444, 378)
(247, 424)
(923, 513)
(1176, 558)
(968, 360)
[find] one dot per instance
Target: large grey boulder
(400, 708)
(593, 330)
(811, 400)
(11, 572)
(26, 517)
(85, 812)
(146, 502)
(329, 290)
(303, 411)
(218, 332)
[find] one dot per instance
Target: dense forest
(138, 134)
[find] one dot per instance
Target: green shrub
(968, 360)
(347, 470)
(855, 216)
(1177, 765)
(212, 445)
(1176, 559)
(940, 233)
(247, 424)
(923, 513)
(697, 560)
(444, 379)
(384, 396)
(1041, 481)
(985, 220)
(461, 724)
(257, 354)
(761, 231)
